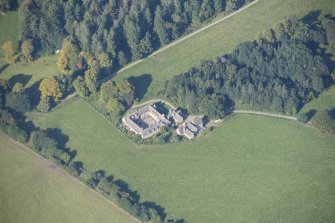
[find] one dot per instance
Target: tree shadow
(4, 67)
(125, 187)
(22, 78)
(311, 16)
(310, 114)
(34, 94)
(57, 134)
(332, 113)
(160, 210)
(141, 84)
(162, 108)
(181, 221)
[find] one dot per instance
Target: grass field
(219, 40)
(33, 191)
(325, 101)
(251, 169)
(29, 73)
(10, 29)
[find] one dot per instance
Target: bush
(18, 102)
(44, 105)
(16, 133)
(303, 118)
(323, 121)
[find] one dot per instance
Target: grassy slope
(222, 39)
(30, 191)
(34, 71)
(9, 26)
(325, 101)
(29, 73)
(238, 173)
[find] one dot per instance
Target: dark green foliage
(4, 89)
(19, 102)
(9, 126)
(4, 6)
(303, 117)
(279, 75)
(122, 30)
(48, 147)
(80, 87)
(116, 96)
(323, 121)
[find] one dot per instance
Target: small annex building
(191, 127)
(176, 116)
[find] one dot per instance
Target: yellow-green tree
(67, 57)
(18, 87)
(9, 51)
(27, 49)
(49, 87)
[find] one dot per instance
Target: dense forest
(118, 30)
(283, 69)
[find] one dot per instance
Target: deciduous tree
(49, 87)
(27, 49)
(67, 57)
(9, 51)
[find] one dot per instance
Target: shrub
(44, 105)
(18, 102)
(303, 118)
(16, 133)
(323, 121)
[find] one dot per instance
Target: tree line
(118, 30)
(283, 69)
(15, 102)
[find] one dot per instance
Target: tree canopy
(280, 72)
(123, 30)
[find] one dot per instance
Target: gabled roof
(188, 133)
(191, 127)
(177, 117)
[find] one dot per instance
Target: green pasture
(29, 73)
(249, 169)
(220, 39)
(33, 191)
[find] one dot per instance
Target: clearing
(32, 190)
(237, 173)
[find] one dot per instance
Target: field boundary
(265, 114)
(57, 168)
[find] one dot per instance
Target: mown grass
(10, 28)
(32, 191)
(250, 169)
(29, 73)
(222, 39)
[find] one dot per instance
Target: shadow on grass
(22, 78)
(34, 94)
(125, 187)
(61, 139)
(160, 210)
(3, 67)
(312, 16)
(141, 84)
